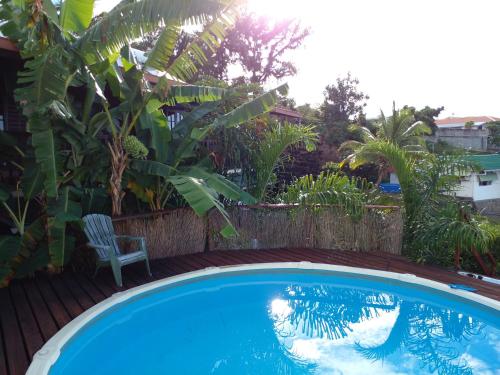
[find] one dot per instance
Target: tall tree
(427, 115)
(256, 44)
(344, 104)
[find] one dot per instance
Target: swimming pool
(288, 318)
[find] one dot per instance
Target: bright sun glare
(279, 9)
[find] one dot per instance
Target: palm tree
(400, 129)
(435, 224)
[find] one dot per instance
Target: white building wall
(470, 188)
(393, 178)
(466, 187)
(487, 192)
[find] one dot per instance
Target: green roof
(489, 162)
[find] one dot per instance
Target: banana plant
(173, 154)
(69, 60)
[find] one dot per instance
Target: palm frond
(275, 143)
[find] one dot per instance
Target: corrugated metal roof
(489, 162)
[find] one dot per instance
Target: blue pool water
(288, 322)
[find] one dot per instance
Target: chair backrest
(99, 230)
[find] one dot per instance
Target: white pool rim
(45, 358)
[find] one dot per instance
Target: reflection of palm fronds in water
(457, 326)
(428, 333)
(278, 356)
(399, 334)
(322, 311)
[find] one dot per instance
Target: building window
(487, 179)
(174, 119)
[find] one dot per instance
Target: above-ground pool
(281, 319)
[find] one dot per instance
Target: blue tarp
(390, 188)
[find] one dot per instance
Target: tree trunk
(382, 171)
(119, 161)
(457, 258)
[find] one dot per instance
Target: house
(284, 114)
(483, 188)
(463, 132)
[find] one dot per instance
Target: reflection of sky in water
(383, 339)
(287, 324)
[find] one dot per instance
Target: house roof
(477, 120)
(283, 111)
(490, 162)
(6, 44)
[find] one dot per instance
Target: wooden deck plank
(3, 356)
(70, 303)
(15, 351)
(57, 309)
(32, 336)
(32, 311)
(46, 322)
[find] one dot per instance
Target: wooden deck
(32, 311)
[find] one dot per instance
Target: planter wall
(168, 233)
(305, 227)
(180, 231)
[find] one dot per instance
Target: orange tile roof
(460, 120)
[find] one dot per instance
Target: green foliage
(343, 105)
(271, 148)
(329, 189)
(494, 137)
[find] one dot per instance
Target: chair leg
(148, 268)
(117, 273)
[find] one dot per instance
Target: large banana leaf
(46, 155)
(163, 50)
(156, 123)
(185, 65)
(245, 112)
(191, 94)
(201, 198)
(32, 181)
(184, 127)
(130, 20)
(45, 79)
(221, 185)
(76, 15)
(153, 168)
(61, 211)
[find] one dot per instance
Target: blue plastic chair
(100, 232)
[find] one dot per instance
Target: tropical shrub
(350, 195)
(436, 224)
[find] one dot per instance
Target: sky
(415, 52)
